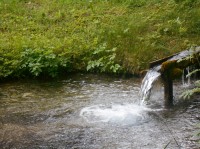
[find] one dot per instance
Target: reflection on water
(91, 112)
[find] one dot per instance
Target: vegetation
(170, 70)
(187, 94)
(50, 37)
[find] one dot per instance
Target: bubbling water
(129, 113)
(126, 114)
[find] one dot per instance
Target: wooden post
(168, 91)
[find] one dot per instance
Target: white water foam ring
(121, 114)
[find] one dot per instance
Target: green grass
(48, 37)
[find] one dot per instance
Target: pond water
(93, 112)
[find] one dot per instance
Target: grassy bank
(49, 37)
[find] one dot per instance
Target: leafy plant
(142, 31)
(187, 94)
(104, 60)
(39, 61)
(8, 63)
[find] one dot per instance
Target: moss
(175, 73)
(170, 70)
(187, 62)
(167, 66)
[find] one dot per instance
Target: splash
(133, 113)
(127, 114)
(123, 114)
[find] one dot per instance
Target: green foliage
(187, 2)
(193, 72)
(188, 94)
(8, 63)
(104, 60)
(140, 30)
(39, 61)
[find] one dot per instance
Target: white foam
(115, 113)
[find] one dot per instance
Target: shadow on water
(92, 112)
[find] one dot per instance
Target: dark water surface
(92, 112)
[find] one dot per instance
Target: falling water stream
(148, 82)
(93, 112)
